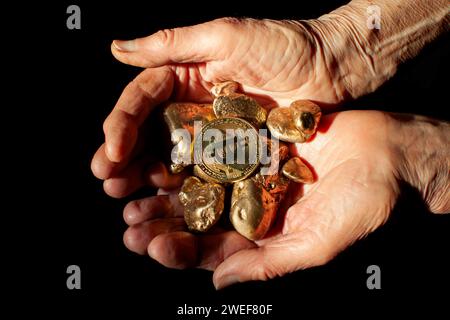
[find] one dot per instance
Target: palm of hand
(356, 185)
(353, 195)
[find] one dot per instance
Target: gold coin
(227, 150)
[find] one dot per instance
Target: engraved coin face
(227, 149)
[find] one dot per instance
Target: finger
(205, 251)
(102, 167)
(214, 248)
(140, 174)
(160, 177)
(138, 211)
(199, 43)
(129, 179)
(178, 250)
(312, 236)
(137, 238)
(148, 89)
(165, 192)
(266, 262)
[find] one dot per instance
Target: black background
(74, 84)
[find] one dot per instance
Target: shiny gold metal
(183, 116)
(297, 171)
(176, 167)
(240, 106)
(277, 152)
(306, 115)
(282, 150)
(211, 155)
(255, 198)
(295, 124)
(198, 172)
(254, 204)
(281, 126)
(203, 203)
(229, 103)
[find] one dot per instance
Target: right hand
(361, 159)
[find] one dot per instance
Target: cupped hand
(355, 191)
(277, 62)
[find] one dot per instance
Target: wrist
(422, 149)
(366, 54)
(348, 44)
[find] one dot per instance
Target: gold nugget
(229, 103)
(240, 106)
(297, 171)
(256, 197)
(183, 116)
(203, 203)
(296, 123)
(254, 204)
(281, 126)
(306, 116)
(277, 152)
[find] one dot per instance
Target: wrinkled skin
(336, 210)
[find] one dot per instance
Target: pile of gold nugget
(224, 146)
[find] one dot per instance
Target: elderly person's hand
(360, 158)
(326, 60)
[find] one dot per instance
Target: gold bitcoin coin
(227, 150)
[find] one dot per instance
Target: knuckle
(269, 268)
(106, 124)
(267, 273)
(230, 25)
(165, 37)
(230, 21)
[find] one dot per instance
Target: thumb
(199, 43)
(269, 261)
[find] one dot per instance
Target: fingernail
(126, 46)
(225, 281)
